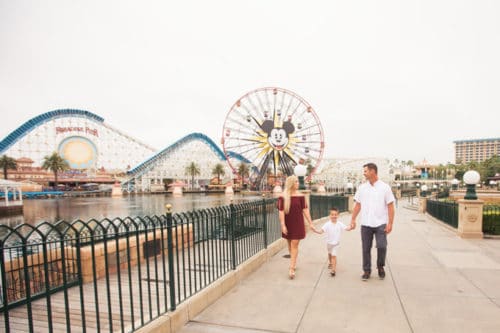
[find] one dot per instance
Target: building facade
(476, 150)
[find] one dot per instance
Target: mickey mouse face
(278, 138)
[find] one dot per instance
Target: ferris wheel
(274, 129)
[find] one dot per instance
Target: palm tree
(6, 163)
(192, 170)
(219, 171)
(55, 163)
(243, 171)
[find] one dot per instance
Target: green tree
(55, 163)
(192, 170)
(218, 171)
(243, 171)
(7, 163)
(490, 167)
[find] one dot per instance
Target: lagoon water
(70, 209)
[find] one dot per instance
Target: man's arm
(390, 210)
(355, 212)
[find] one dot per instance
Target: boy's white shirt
(333, 231)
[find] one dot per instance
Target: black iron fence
(491, 219)
(321, 204)
(118, 275)
(446, 211)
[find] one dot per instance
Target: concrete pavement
(436, 282)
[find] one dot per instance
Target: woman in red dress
(292, 211)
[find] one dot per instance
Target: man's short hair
(371, 166)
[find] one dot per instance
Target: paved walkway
(436, 282)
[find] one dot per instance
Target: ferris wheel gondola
(275, 129)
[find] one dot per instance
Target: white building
(336, 173)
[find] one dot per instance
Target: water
(70, 209)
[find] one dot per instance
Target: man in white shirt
(375, 201)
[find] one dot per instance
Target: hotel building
(476, 150)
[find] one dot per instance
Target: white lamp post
(424, 190)
(350, 187)
(454, 184)
(471, 178)
(300, 171)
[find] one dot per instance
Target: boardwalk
(436, 282)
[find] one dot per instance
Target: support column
(470, 218)
(422, 204)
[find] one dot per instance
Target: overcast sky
(387, 78)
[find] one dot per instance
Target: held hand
(353, 225)
(388, 228)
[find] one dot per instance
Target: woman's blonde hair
(287, 193)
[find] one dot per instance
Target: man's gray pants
(367, 234)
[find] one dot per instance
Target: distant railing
(321, 204)
(491, 219)
(446, 211)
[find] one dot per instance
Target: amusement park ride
(275, 129)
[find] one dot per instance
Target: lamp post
(300, 171)
(423, 192)
(454, 184)
(349, 187)
(471, 178)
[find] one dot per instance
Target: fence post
(170, 246)
(232, 219)
(264, 216)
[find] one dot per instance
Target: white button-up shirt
(374, 200)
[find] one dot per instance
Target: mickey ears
(268, 125)
(288, 127)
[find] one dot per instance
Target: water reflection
(70, 209)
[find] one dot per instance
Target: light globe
(471, 178)
(300, 171)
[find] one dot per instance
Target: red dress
(294, 220)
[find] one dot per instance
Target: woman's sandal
(291, 273)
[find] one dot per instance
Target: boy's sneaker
(365, 276)
(381, 273)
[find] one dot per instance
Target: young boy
(333, 229)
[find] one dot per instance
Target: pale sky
(387, 78)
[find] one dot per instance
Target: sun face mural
(79, 152)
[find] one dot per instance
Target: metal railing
(321, 204)
(446, 211)
(491, 219)
(118, 275)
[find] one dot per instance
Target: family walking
(374, 202)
